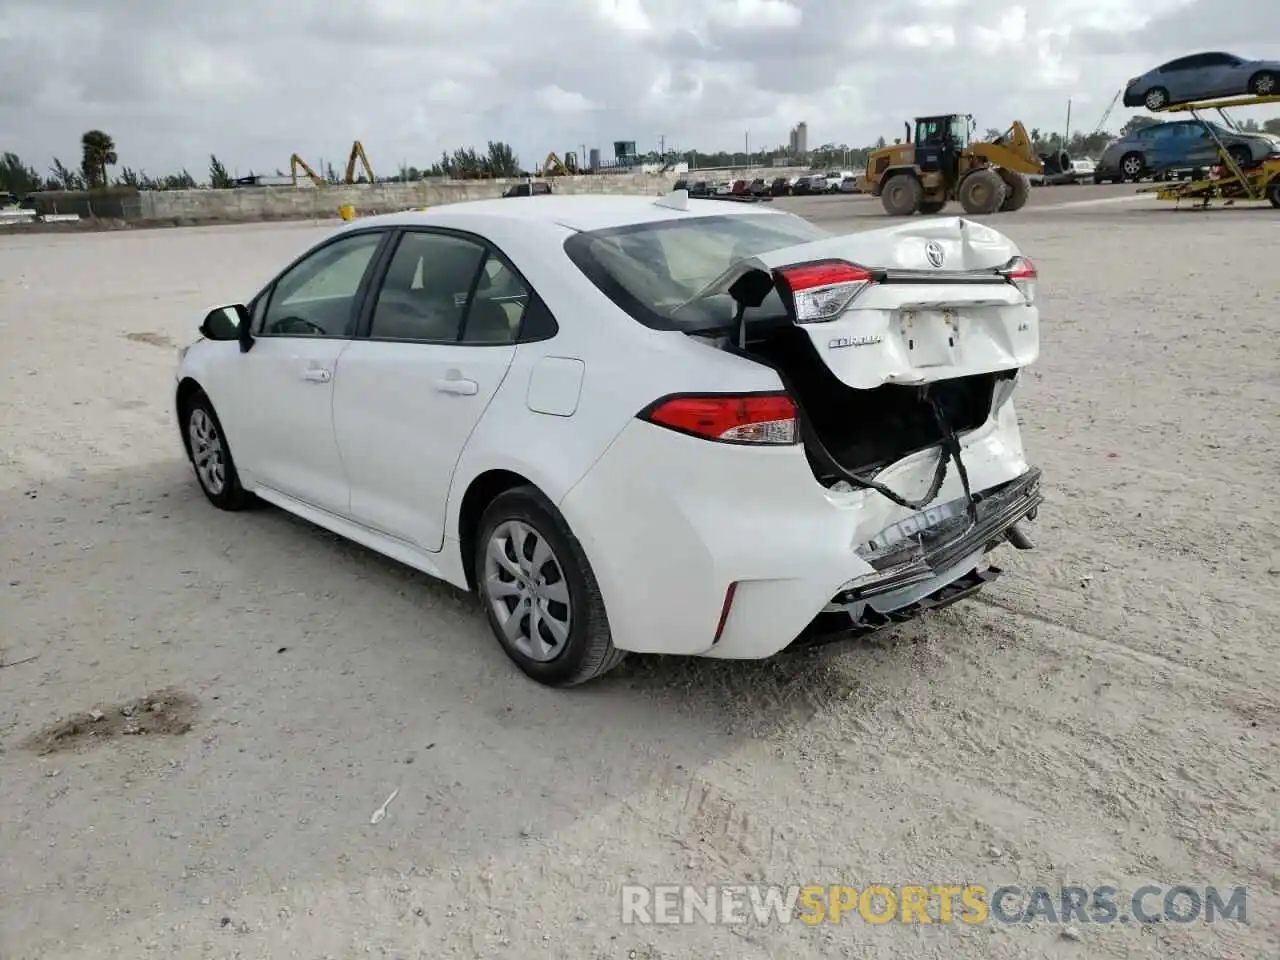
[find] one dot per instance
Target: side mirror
(225, 323)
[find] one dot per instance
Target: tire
(510, 590)
(1273, 192)
(1156, 98)
(1133, 166)
(210, 455)
(982, 192)
(1017, 191)
(1265, 83)
(932, 206)
(1243, 156)
(901, 195)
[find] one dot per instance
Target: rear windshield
(650, 269)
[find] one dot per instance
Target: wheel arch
(483, 489)
(187, 388)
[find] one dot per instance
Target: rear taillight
(1021, 272)
(756, 418)
(821, 291)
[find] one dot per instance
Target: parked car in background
(1178, 144)
(759, 187)
(1203, 76)
(849, 185)
(780, 187)
(544, 404)
(529, 188)
(722, 188)
(1083, 169)
(811, 183)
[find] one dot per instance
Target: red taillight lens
(759, 418)
(822, 291)
(1022, 273)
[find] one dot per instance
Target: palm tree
(98, 151)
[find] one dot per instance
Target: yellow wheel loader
(939, 164)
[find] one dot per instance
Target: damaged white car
(662, 426)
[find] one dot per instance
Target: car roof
(573, 212)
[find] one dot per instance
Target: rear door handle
(463, 388)
(317, 375)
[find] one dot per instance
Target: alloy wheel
(525, 586)
(207, 451)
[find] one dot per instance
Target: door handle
(463, 388)
(317, 375)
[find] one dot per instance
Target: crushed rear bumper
(933, 568)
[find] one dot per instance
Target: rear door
(434, 346)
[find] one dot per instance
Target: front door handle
(462, 387)
(317, 375)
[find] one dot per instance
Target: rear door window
(424, 294)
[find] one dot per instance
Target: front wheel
(539, 592)
(1273, 192)
(901, 195)
(210, 455)
(1157, 98)
(1133, 166)
(982, 192)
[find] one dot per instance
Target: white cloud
(254, 82)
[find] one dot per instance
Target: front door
(289, 372)
(442, 333)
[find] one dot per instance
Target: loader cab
(939, 141)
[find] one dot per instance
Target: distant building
(799, 143)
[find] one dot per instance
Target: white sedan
(658, 425)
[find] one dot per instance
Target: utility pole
(746, 148)
(662, 145)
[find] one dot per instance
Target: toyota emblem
(934, 253)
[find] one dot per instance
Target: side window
(498, 306)
(317, 297)
(424, 294)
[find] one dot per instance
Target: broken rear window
(651, 269)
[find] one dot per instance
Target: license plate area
(931, 337)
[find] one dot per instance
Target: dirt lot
(199, 712)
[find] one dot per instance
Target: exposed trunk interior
(864, 430)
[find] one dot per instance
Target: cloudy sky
(255, 80)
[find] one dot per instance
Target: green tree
(98, 151)
(1272, 126)
(1134, 124)
(219, 179)
(16, 177)
(62, 178)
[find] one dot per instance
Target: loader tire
(1273, 192)
(982, 192)
(932, 206)
(901, 195)
(1017, 191)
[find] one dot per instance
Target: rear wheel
(539, 592)
(1133, 166)
(902, 195)
(1017, 191)
(1157, 98)
(982, 192)
(1265, 84)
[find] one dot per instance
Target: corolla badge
(934, 253)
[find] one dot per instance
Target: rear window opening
(865, 430)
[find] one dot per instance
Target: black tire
(1265, 83)
(1242, 155)
(982, 192)
(588, 651)
(1133, 166)
(1273, 192)
(932, 206)
(1157, 98)
(201, 428)
(901, 195)
(1017, 191)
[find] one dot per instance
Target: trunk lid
(937, 301)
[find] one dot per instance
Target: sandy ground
(1105, 714)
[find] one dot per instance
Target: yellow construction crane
(553, 167)
(357, 153)
(296, 163)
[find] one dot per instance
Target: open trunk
(890, 340)
(867, 429)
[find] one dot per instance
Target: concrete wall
(286, 203)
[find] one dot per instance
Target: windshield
(651, 269)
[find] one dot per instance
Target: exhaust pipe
(1018, 539)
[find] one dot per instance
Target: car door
(304, 323)
(434, 346)
(1218, 76)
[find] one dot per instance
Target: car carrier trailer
(1260, 181)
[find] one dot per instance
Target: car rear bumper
(675, 526)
